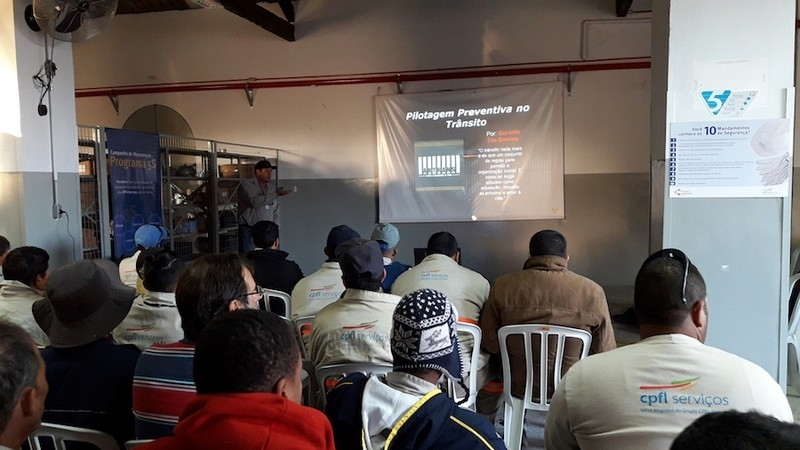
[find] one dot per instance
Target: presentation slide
(482, 154)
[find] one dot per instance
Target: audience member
(545, 292)
(642, 395)
(90, 377)
(23, 386)
(467, 290)
(324, 286)
(5, 246)
(154, 318)
(356, 327)
(26, 271)
(247, 370)
(146, 236)
(162, 382)
(734, 430)
(406, 409)
(388, 237)
(271, 269)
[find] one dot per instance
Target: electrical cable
(74, 244)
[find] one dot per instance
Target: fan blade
(71, 22)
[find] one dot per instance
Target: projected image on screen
(439, 165)
(484, 154)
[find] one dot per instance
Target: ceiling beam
(250, 10)
(623, 6)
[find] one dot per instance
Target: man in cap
(642, 395)
(90, 376)
(258, 200)
(406, 409)
(24, 386)
(322, 287)
(355, 328)
(388, 237)
(146, 236)
(26, 271)
(249, 386)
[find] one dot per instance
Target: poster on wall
(134, 185)
(473, 155)
(741, 158)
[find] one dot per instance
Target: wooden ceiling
(252, 10)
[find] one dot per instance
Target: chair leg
(514, 424)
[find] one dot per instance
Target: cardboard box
(88, 195)
(242, 171)
(86, 167)
(89, 239)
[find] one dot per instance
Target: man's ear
(700, 314)
(27, 402)
(281, 388)
(236, 304)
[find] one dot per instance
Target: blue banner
(134, 163)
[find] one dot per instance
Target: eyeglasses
(262, 302)
(679, 256)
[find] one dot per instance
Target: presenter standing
(258, 200)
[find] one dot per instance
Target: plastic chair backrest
(302, 326)
(477, 337)
(136, 442)
(54, 436)
(794, 305)
(328, 376)
(794, 261)
(283, 296)
(515, 408)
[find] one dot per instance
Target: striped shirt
(162, 386)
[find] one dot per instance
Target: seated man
(406, 409)
(271, 269)
(388, 237)
(26, 270)
(146, 236)
(735, 430)
(153, 318)
(546, 291)
(355, 328)
(162, 382)
(642, 395)
(324, 286)
(24, 386)
(247, 371)
(90, 376)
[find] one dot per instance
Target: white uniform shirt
(314, 292)
(16, 301)
(643, 395)
(127, 270)
(153, 319)
(354, 329)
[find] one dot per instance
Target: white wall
(606, 115)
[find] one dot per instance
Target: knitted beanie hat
(424, 334)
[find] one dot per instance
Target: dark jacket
(393, 270)
(274, 271)
(438, 423)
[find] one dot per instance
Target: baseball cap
(339, 234)
(387, 235)
(360, 259)
(148, 236)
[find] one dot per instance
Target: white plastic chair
(794, 321)
(136, 442)
(477, 336)
(283, 296)
(54, 436)
(515, 408)
(794, 261)
(328, 376)
(302, 326)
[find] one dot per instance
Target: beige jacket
(546, 292)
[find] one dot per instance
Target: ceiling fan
(70, 20)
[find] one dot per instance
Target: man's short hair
(206, 288)
(24, 264)
(442, 243)
(263, 164)
(160, 270)
(245, 350)
(658, 292)
(19, 366)
(736, 430)
(4, 245)
(265, 233)
(548, 243)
